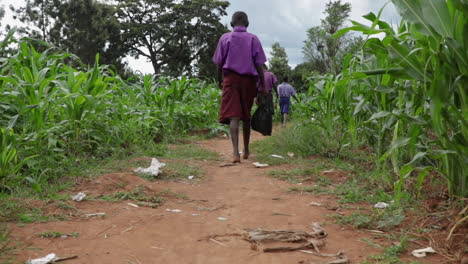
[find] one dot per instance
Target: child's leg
(246, 130)
(235, 139)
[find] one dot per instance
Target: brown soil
(242, 194)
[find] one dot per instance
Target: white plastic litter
(222, 218)
(45, 260)
(174, 210)
(291, 155)
(153, 170)
(260, 165)
(79, 197)
(133, 205)
(195, 214)
(381, 205)
(191, 177)
(421, 253)
(277, 156)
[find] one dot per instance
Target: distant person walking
(285, 91)
(239, 57)
(270, 84)
(262, 120)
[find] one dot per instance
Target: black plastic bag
(262, 119)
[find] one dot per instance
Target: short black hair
(265, 67)
(240, 18)
(285, 79)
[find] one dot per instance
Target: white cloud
(286, 22)
(283, 21)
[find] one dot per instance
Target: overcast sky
(283, 21)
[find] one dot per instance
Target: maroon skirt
(239, 92)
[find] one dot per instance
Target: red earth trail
(243, 195)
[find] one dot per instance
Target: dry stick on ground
(311, 244)
(217, 242)
(64, 259)
(463, 212)
(341, 258)
(310, 240)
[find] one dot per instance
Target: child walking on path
(239, 57)
(285, 91)
(270, 83)
(262, 120)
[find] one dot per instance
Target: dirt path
(243, 195)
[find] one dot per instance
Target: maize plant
(52, 113)
(406, 94)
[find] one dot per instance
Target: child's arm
(220, 77)
(274, 87)
(295, 95)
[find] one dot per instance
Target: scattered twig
(455, 227)
(104, 231)
(126, 230)
(276, 214)
(321, 254)
(341, 258)
(133, 205)
(94, 215)
(65, 258)
(311, 244)
(212, 209)
(217, 242)
(315, 204)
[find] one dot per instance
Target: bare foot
(246, 155)
(236, 159)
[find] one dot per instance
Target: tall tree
(2, 14)
(323, 51)
(37, 16)
(279, 62)
(205, 67)
(299, 76)
(175, 36)
(82, 27)
(87, 27)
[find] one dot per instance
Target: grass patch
(138, 195)
(377, 219)
(54, 234)
(169, 193)
(303, 139)
(16, 210)
(391, 254)
(7, 247)
(311, 189)
(358, 191)
(16, 206)
(179, 171)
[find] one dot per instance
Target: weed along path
(200, 221)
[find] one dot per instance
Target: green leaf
(411, 10)
(379, 115)
(399, 143)
(418, 157)
(436, 13)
